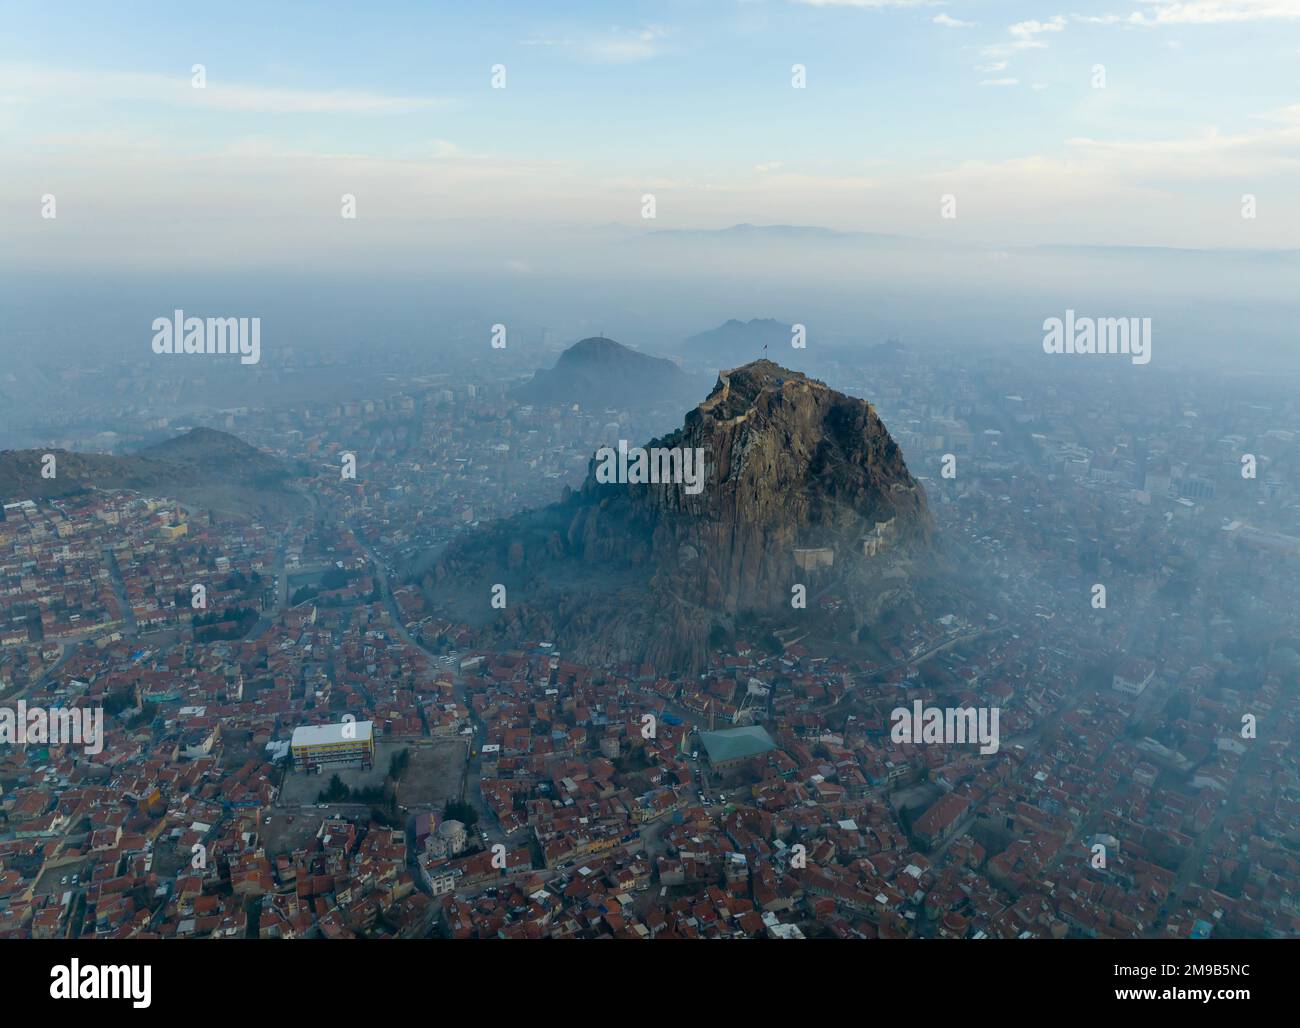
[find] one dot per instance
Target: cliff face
(790, 464)
(802, 484)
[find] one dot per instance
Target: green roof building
(735, 745)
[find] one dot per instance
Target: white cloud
(1209, 156)
(1212, 12)
(1024, 36)
(286, 101)
(1290, 115)
(36, 83)
(952, 23)
(618, 46)
(145, 199)
(1033, 27)
(1198, 12)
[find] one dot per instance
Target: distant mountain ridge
(747, 233)
(737, 342)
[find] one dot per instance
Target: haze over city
(772, 469)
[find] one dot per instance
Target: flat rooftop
(321, 735)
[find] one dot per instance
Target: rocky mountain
(601, 371)
(801, 485)
(202, 467)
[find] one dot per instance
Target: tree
(455, 810)
(305, 592)
(334, 578)
(336, 792)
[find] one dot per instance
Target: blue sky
(993, 102)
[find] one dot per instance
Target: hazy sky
(993, 102)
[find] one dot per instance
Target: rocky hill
(202, 467)
(599, 371)
(802, 485)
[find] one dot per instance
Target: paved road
(119, 590)
(471, 790)
(50, 672)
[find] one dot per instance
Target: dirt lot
(284, 836)
(433, 775)
(51, 882)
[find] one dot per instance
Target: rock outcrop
(802, 485)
